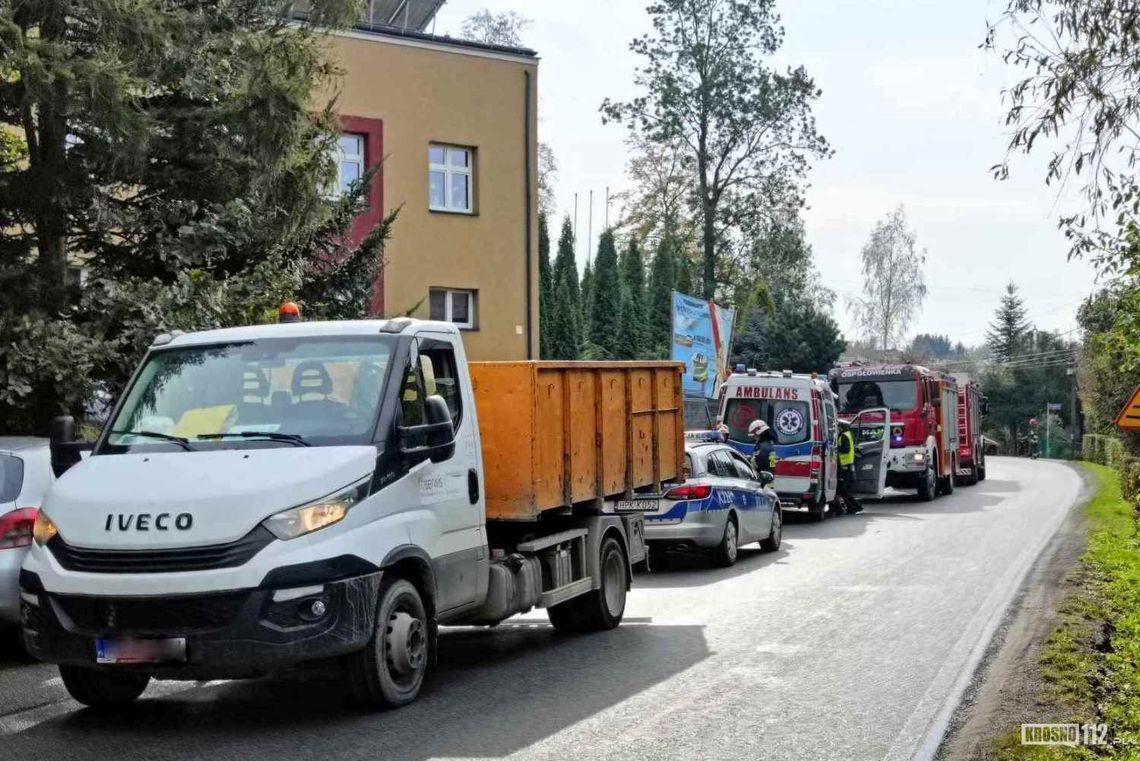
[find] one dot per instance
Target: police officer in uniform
(847, 467)
(764, 456)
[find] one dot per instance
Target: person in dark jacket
(847, 454)
(764, 456)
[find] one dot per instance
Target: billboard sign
(702, 335)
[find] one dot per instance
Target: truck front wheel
(390, 670)
(928, 485)
(946, 485)
(601, 608)
(103, 689)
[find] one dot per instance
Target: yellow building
(455, 125)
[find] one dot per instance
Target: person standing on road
(764, 456)
(847, 467)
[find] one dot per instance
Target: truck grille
(150, 615)
(161, 561)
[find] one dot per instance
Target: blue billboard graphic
(702, 334)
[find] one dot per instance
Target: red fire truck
(906, 429)
(971, 454)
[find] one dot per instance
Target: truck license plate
(637, 506)
(124, 651)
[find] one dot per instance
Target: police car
(723, 504)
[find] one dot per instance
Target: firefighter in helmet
(847, 453)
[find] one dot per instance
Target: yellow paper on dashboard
(206, 420)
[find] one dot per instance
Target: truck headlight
(920, 456)
(44, 529)
(324, 512)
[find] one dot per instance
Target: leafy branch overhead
(1078, 97)
(746, 132)
(175, 152)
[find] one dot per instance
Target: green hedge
(1129, 468)
(1103, 450)
(1110, 451)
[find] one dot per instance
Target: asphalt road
(852, 642)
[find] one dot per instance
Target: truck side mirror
(61, 442)
(435, 439)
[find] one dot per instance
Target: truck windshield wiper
(293, 438)
(179, 440)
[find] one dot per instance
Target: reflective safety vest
(846, 449)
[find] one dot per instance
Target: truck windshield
(266, 392)
(900, 395)
(788, 419)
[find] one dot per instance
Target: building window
(349, 161)
(453, 306)
(449, 178)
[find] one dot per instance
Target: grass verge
(1090, 666)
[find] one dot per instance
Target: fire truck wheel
(927, 485)
(982, 473)
(974, 477)
(947, 484)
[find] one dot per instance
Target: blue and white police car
(722, 504)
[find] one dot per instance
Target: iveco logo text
(148, 522)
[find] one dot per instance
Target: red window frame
(372, 130)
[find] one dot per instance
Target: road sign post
(1129, 417)
(1050, 408)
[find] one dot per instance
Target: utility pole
(575, 227)
(1048, 428)
(1074, 422)
(590, 228)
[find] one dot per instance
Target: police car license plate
(125, 651)
(637, 505)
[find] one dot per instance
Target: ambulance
(800, 410)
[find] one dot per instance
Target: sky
(913, 110)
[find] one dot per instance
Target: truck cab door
(450, 488)
(831, 450)
(871, 429)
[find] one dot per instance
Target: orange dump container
(557, 434)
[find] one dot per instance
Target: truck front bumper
(229, 635)
(907, 460)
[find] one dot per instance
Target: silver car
(25, 475)
(723, 504)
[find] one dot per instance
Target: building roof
(409, 20)
(383, 30)
(415, 15)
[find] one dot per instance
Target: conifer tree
(545, 287)
(1007, 333)
(685, 274)
(605, 302)
(565, 269)
(565, 334)
(659, 300)
(633, 330)
(586, 300)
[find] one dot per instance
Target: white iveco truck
(328, 494)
